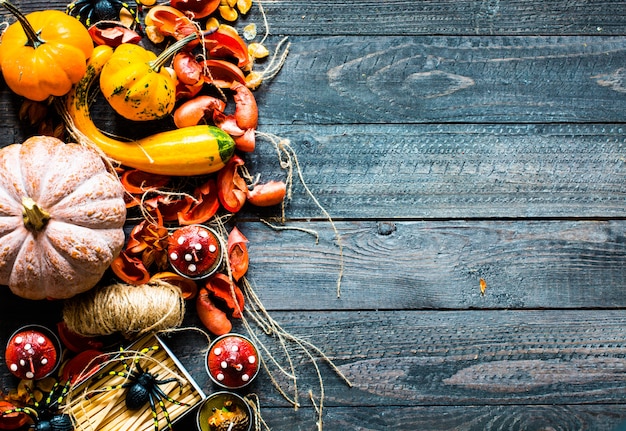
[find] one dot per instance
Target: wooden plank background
(450, 141)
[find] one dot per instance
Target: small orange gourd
(61, 218)
(44, 53)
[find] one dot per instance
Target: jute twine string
(129, 310)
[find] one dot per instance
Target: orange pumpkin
(61, 218)
(43, 53)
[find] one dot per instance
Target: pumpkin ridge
(102, 191)
(60, 187)
(63, 258)
(27, 265)
(11, 246)
(10, 174)
(82, 248)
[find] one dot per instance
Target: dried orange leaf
(483, 286)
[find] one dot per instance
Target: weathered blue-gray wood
(451, 142)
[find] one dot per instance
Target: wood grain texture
(393, 79)
(438, 265)
(427, 17)
(451, 141)
(470, 418)
(324, 17)
(454, 358)
(455, 171)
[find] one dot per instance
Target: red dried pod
(268, 194)
(221, 287)
(225, 43)
(83, 365)
(196, 9)
(193, 111)
(214, 319)
(205, 206)
(112, 34)
(75, 342)
(130, 269)
(237, 251)
(232, 188)
(138, 182)
(232, 361)
(188, 70)
(170, 21)
(169, 207)
(222, 73)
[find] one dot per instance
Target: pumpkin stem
(33, 38)
(34, 216)
(168, 53)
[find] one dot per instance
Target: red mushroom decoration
(195, 251)
(32, 353)
(232, 361)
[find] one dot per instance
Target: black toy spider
(92, 11)
(47, 417)
(144, 387)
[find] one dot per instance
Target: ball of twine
(126, 309)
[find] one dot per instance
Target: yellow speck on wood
(483, 286)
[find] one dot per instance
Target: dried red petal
(214, 319)
(188, 287)
(222, 73)
(169, 207)
(138, 182)
(83, 365)
(188, 70)
(237, 253)
(112, 35)
(220, 286)
(130, 269)
(268, 194)
(75, 342)
(11, 421)
(225, 43)
(170, 21)
(205, 206)
(196, 9)
(232, 188)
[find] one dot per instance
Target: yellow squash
(136, 84)
(195, 150)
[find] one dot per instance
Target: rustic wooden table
(450, 142)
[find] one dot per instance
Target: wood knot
(386, 228)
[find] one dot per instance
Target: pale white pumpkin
(61, 218)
